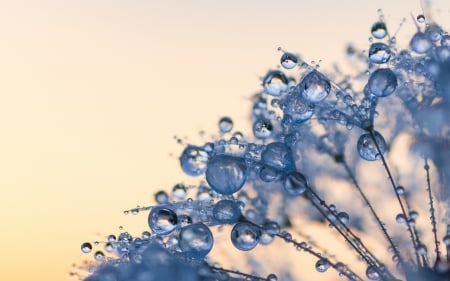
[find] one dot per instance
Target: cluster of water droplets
(295, 118)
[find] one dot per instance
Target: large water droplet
(275, 83)
(372, 273)
(289, 60)
(420, 43)
(162, 220)
(196, 240)
(193, 160)
(226, 211)
(226, 174)
(225, 125)
(295, 183)
(314, 87)
(245, 236)
(278, 155)
(379, 30)
(379, 53)
(382, 82)
(367, 148)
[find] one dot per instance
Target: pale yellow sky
(92, 92)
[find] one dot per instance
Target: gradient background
(93, 91)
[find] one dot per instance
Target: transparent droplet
(382, 82)
(379, 30)
(179, 191)
(184, 220)
(433, 32)
(400, 190)
(225, 125)
(245, 236)
(400, 218)
(278, 155)
(196, 240)
(99, 256)
(262, 128)
(193, 160)
(343, 217)
(314, 87)
(86, 247)
(272, 277)
(269, 174)
(420, 43)
(162, 220)
(275, 83)
(322, 265)
(226, 174)
(420, 18)
(379, 53)
(295, 183)
(289, 60)
(372, 273)
(161, 197)
(271, 227)
(226, 211)
(367, 149)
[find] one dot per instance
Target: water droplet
(179, 191)
(343, 217)
(245, 236)
(379, 53)
(275, 83)
(382, 82)
(226, 211)
(289, 60)
(322, 265)
(271, 227)
(421, 250)
(420, 43)
(420, 18)
(268, 174)
(379, 30)
(226, 174)
(367, 148)
(295, 183)
(262, 128)
(225, 124)
(161, 197)
(162, 220)
(400, 218)
(272, 277)
(194, 160)
(184, 220)
(196, 240)
(372, 273)
(433, 32)
(314, 87)
(446, 240)
(99, 256)
(86, 247)
(400, 190)
(278, 155)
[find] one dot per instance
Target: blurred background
(92, 93)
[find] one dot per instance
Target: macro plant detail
(323, 151)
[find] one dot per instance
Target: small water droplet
(86, 247)
(379, 30)
(245, 236)
(420, 18)
(225, 124)
(289, 60)
(322, 265)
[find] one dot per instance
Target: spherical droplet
(379, 30)
(179, 191)
(382, 82)
(367, 148)
(289, 60)
(295, 183)
(372, 273)
(343, 217)
(193, 160)
(275, 83)
(271, 227)
(400, 218)
(314, 87)
(262, 128)
(379, 53)
(420, 43)
(162, 220)
(245, 236)
(420, 18)
(272, 277)
(225, 125)
(226, 211)
(86, 247)
(196, 240)
(322, 265)
(99, 256)
(278, 155)
(226, 174)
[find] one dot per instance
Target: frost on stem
(325, 126)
